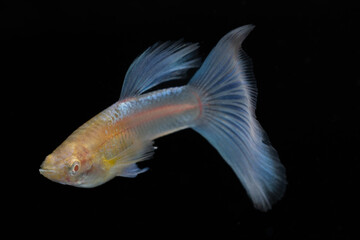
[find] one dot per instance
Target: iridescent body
(99, 144)
(219, 103)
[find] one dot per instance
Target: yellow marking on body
(109, 163)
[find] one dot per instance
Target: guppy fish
(218, 102)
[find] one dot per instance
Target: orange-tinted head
(68, 164)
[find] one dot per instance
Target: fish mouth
(45, 171)
(51, 174)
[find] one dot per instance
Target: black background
(64, 63)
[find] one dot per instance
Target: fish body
(219, 103)
(102, 144)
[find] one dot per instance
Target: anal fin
(131, 171)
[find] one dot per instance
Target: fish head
(69, 164)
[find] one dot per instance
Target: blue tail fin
(228, 94)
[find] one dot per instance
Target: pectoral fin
(124, 164)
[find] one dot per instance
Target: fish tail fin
(228, 95)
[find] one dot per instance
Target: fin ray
(131, 171)
(160, 63)
(228, 94)
(125, 162)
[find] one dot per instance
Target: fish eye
(75, 167)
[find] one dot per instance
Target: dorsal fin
(160, 63)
